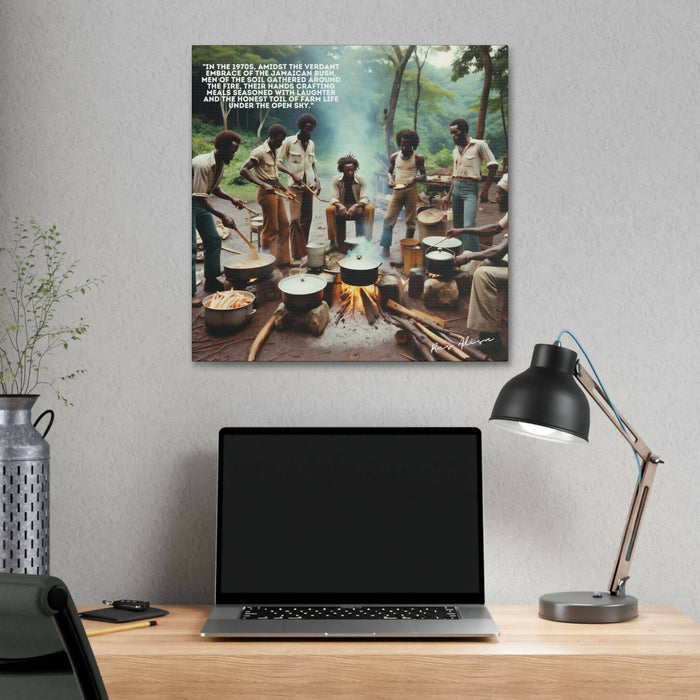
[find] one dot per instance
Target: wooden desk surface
(656, 655)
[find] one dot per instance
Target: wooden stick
(325, 201)
(408, 357)
(473, 352)
(369, 307)
(440, 340)
(231, 250)
(252, 247)
(260, 338)
(420, 315)
(424, 345)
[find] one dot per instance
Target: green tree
(399, 58)
(486, 59)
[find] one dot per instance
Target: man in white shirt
(406, 168)
(468, 157)
(298, 153)
(207, 173)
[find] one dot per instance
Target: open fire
(363, 300)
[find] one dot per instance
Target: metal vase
(24, 478)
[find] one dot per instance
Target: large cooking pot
(240, 269)
(358, 270)
(220, 321)
(302, 292)
(440, 242)
(440, 262)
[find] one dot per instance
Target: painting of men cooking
(319, 232)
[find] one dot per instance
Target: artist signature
(464, 343)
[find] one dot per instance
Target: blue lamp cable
(607, 397)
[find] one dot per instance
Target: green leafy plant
(41, 280)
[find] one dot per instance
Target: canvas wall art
(350, 203)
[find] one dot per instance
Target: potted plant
(40, 281)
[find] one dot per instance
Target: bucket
(410, 254)
(316, 254)
(430, 222)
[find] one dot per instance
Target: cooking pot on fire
(440, 262)
(302, 292)
(240, 269)
(440, 242)
(359, 271)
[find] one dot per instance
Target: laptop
(361, 533)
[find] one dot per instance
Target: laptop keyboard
(313, 612)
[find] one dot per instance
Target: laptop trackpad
(350, 628)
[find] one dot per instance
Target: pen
(122, 628)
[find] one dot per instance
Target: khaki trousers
(407, 197)
(364, 223)
(275, 228)
(483, 304)
(300, 216)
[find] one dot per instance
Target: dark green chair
(44, 652)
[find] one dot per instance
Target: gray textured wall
(95, 133)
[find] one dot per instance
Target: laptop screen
(349, 515)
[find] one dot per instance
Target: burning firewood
(412, 313)
(369, 307)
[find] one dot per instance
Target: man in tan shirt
(349, 201)
(261, 168)
(299, 155)
(468, 156)
(207, 173)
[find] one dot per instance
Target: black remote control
(133, 605)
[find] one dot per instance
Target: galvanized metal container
(24, 481)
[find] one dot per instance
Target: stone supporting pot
(24, 498)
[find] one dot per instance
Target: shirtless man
(406, 168)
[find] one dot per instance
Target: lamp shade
(545, 400)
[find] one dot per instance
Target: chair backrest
(44, 651)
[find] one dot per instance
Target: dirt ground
(348, 340)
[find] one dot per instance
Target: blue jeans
(203, 221)
(465, 201)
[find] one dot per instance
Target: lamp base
(587, 607)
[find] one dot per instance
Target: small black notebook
(118, 615)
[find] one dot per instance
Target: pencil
(122, 628)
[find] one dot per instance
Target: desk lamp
(546, 402)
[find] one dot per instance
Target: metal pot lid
(440, 255)
(302, 284)
(234, 262)
(441, 242)
(430, 216)
(359, 262)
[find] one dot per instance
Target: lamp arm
(641, 493)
